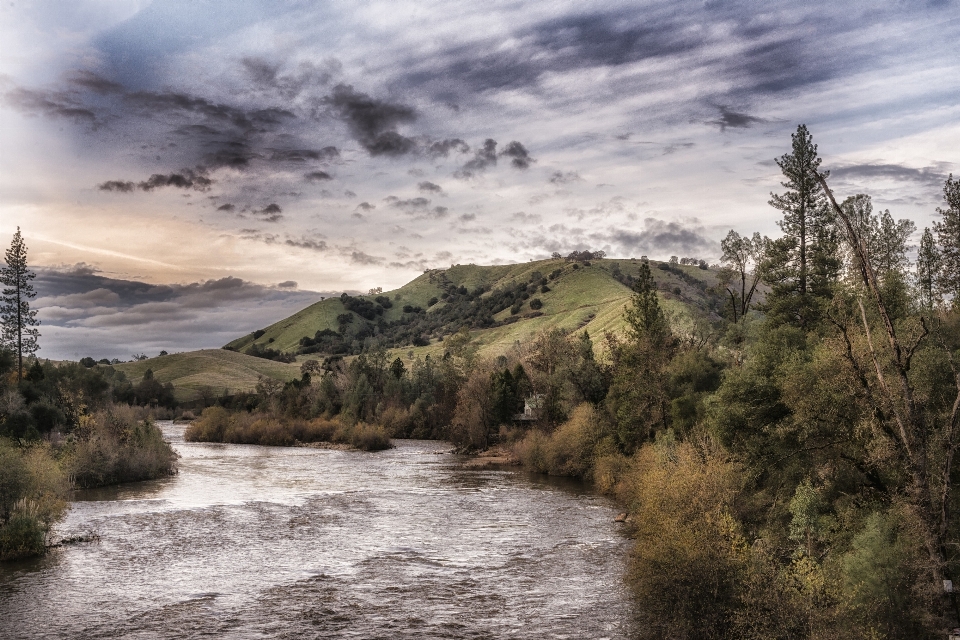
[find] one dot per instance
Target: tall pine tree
(948, 236)
(801, 266)
(20, 333)
(928, 271)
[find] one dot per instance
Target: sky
(186, 171)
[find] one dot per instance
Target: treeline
(68, 426)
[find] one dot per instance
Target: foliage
(32, 498)
(17, 320)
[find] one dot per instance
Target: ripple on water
(290, 543)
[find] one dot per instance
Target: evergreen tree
(948, 235)
(802, 265)
(928, 270)
(19, 321)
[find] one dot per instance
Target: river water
(256, 542)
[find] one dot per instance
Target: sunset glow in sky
(186, 171)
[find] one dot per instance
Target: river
(256, 542)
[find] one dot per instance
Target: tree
(741, 257)
(925, 442)
(20, 333)
(948, 235)
(802, 265)
(928, 270)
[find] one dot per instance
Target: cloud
(518, 154)
(359, 257)
(373, 122)
(661, 237)
(316, 176)
(429, 187)
(560, 177)
(442, 148)
(731, 119)
(88, 314)
(526, 218)
(927, 176)
(51, 104)
(306, 243)
(366, 206)
(271, 213)
(196, 180)
(484, 157)
(226, 207)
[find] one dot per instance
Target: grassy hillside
(209, 370)
(580, 296)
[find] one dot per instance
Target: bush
(536, 303)
(115, 446)
(218, 425)
(568, 451)
(32, 498)
(689, 556)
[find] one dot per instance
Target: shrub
(117, 446)
(32, 498)
(536, 303)
(209, 427)
(689, 556)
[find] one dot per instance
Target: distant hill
(195, 373)
(493, 301)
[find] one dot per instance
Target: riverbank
(109, 447)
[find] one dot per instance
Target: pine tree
(802, 265)
(948, 235)
(928, 271)
(20, 333)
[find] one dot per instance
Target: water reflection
(253, 541)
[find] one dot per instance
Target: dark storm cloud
(373, 122)
(185, 179)
(928, 176)
(484, 157)
(518, 154)
(316, 176)
(442, 148)
(51, 104)
(734, 119)
(429, 187)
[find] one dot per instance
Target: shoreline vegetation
(115, 445)
(216, 424)
(66, 427)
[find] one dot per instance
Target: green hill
(493, 301)
(209, 371)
